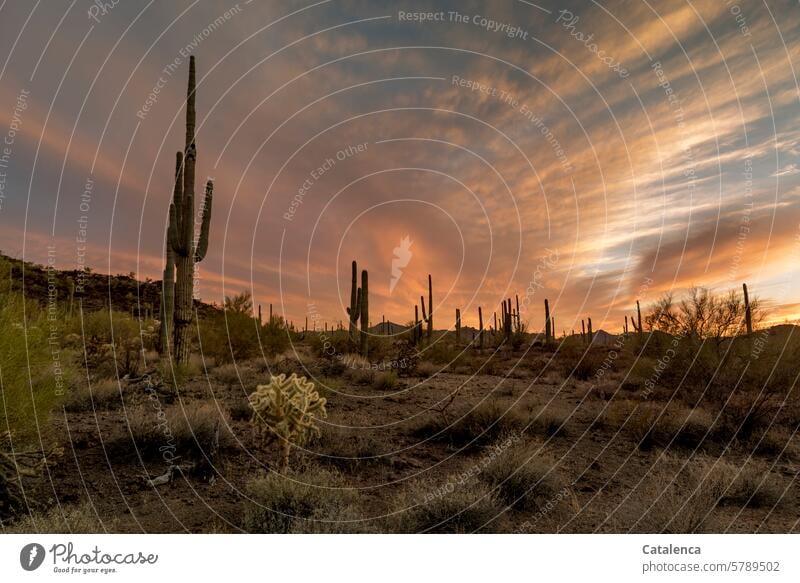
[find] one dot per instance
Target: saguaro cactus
(181, 231)
(590, 335)
(364, 303)
(480, 326)
(354, 311)
(748, 315)
(167, 309)
(458, 326)
(583, 330)
(430, 308)
(548, 330)
(638, 327)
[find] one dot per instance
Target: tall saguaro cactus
(458, 326)
(480, 326)
(589, 333)
(354, 311)
(748, 315)
(638, 326)
(364, 312)
(430, 308)
(187, 252)
(168, 280)
(548, 329)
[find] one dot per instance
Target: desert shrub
(481, 425)
(348, 448)
(518, 339)
(99, 395)
(651, 424)
(227, 374)
(582, 364)
(360, 376)
(240, 410)
(670, 500)
(429, 508)
(549, 421)
(530, 482)
(313, 500)
(194, 430)
(113, 343)
(750, 485)
(384, 381)
(330, 345)
(33, 383)
(64, 519)
(287, 409)
(426, 369)
(273, 337)
(229, 337)
(176, 374)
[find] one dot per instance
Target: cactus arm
(202, 242)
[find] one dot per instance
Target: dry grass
(384, 381)
(193, 430)
(306, 501)
(348, 448)
(653, 424)
(684, 497)
(427, 508)
(480, 425)
(101, 395)
(78, 519)
(530, 482)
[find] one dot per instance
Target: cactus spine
(748, 315)
(181, 232)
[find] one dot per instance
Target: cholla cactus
(287, 409)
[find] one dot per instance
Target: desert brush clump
(287, 409)
(310, 500)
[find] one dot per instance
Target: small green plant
(287, 409)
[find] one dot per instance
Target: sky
(593, 154)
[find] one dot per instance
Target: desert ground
(646, 432)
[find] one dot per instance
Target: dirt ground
(392, 446)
